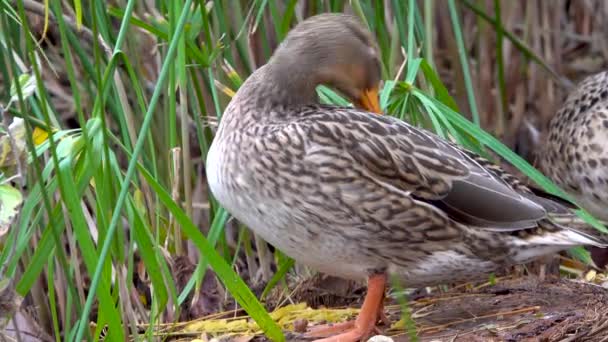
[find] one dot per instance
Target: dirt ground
(515, 308)
(522, 309)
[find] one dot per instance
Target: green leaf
(26, 83)
(441, 92)
(231, 280)
(327, 95)
(581, 254)
(217, 228)
(386, 93)
(10, 200)
(107, 306)
(284, 266)
(151, 256)
(78, 12)
(464, 60)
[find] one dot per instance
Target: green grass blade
(284, 266)
(501, 122)
(116, 215)
(464, 61)
(217, 228)
(231, 280)
(89, 253)
(520, 45)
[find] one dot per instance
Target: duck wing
(453, 181)
(420, 165)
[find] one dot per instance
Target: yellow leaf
(590, 276)
(39, 136)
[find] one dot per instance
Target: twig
(500, 313)
(426, 301)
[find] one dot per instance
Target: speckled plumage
(576, 153)
(352, 193)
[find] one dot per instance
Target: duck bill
(369, 100)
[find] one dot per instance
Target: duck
(360, 195)
(575, 151)
(575, 155)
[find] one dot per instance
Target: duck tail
(581, 232)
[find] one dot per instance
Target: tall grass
(120, 101)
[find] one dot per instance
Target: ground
(519, 308)
(522, 309)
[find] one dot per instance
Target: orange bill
(369, 100)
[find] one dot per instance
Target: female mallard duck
(576, 155)
(359, 195)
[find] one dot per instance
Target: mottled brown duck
(360, 195)
(575, 154)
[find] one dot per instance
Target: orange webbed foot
(365, 324)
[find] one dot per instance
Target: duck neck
(280, 86)
(294, 86)
(272, 93)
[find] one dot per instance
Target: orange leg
(381, 314)
(365, 324)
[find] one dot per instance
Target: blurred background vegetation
(108, 108)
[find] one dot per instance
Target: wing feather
(427, 168)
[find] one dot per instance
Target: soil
(522, 309)
(516, 308)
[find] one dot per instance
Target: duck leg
(364, 325)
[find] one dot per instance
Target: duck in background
(575, 154)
